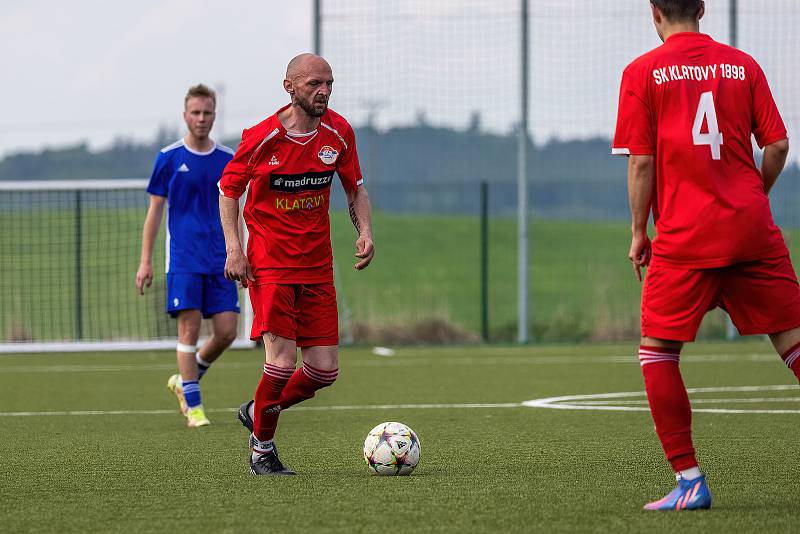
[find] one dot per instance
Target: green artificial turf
(483, 469)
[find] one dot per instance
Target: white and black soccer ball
(391, 449)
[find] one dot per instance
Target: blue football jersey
(188, 179)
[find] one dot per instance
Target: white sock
(688, 474)
(259, 447)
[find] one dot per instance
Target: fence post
(78, 267)
(484, 261)
(522, 182)
(317, 26)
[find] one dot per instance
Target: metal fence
(434, 91)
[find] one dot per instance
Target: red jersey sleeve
(634, 134)
(348, 167)
(236, 175)
(768, 127)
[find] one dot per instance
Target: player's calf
(305, 382)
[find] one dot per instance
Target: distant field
(581, 283)
(426, 273)
(93, 443)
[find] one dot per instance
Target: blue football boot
(689, 495)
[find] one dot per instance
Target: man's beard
(310, 109)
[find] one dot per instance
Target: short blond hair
(200, 90)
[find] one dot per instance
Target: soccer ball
(391, 449)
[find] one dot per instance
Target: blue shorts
(209, 293)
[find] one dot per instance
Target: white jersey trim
(173, 146)
(620, 151)
(197, 153)
(299, 134)
(272, 134)
(301, 139)
(331, 128)
(225, 149)
(179, 143)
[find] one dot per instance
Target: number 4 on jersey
(713, 138)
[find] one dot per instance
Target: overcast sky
(92, 70)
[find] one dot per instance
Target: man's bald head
(303, 64)
(309, 81)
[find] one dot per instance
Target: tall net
(433, 92)
(70, 253)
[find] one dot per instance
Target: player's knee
(226, 337)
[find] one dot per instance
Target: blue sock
(191, 392)
(202, 365)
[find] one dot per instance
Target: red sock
(304, 383)
(669, 404)
(792, 360)
(266, 409)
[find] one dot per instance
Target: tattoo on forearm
(353, 216)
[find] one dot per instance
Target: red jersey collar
(688, 35)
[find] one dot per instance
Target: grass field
(93, 443)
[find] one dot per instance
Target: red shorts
(306, 313)
(761, 297)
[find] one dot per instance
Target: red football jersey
(694, 104)
(286, 210)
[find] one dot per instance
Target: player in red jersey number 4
(289, 161)
(686, 114)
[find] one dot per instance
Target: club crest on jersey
(328, 155)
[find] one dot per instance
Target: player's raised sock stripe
(319, 375)
(665, 350)
(650, 355)
(791, 355)
(658, 355)
(646, 362)
(671, 357)
(792, 358)
(278, 372)
(642, 351)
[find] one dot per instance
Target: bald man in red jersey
(289, 161)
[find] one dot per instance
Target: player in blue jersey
(185, 178)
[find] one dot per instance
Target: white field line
(694, 401)
(410, 362)
(570, 402)
(579, 402)
(294, 409)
